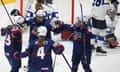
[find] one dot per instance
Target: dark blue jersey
(34, 25)
(40, 56)
(81, 37)
(13, 39)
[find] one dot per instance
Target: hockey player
(81, 44)
(100, 9)
(40, 52)
(111, 39)
(82, 51)
(32, 9)
(51, 11)
(38, 21)
(15, 12)
(13, 43)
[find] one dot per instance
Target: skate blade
(101, 54)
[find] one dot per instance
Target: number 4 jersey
(40, 57)
(100, 8)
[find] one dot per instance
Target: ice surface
(109, 63)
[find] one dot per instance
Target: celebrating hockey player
(13, 42)
(100, 9)
(39, 51)
(82, 51)
(81, 43)
(38, 21)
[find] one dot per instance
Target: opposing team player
(50, 9)
(33, 8)
(100, 9)
(40, 52)
(111, 39)
(13, 43)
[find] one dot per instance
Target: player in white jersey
(50, 9)
(32, 9)
(100, 9)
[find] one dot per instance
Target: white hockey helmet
(85, 19)
(40, 13)
(56, 22)
(19, 19)
(42, 31)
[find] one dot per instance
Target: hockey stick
(7, 11)
(54, 62)
(84, 34)
(66, 61)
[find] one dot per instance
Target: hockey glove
(3, 31)
(16, 56)
(59, 49)
(112, 43)
(85, 30)
(58, 23)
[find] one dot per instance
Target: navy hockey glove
(58, 23)
(16, 56)
(3, 31)
(59, 49)
(85, 30)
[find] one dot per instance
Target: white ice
(109, 63)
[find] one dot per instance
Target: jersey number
(8, 41)
(41, 52)
(99, 3)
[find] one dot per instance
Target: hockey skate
(100, 52)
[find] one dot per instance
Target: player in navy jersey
(38, 21)
(39, 51)
(13, 43)
(82, 51)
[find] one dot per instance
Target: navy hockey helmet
(15, 12)
(40, 1)
(49, 1)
